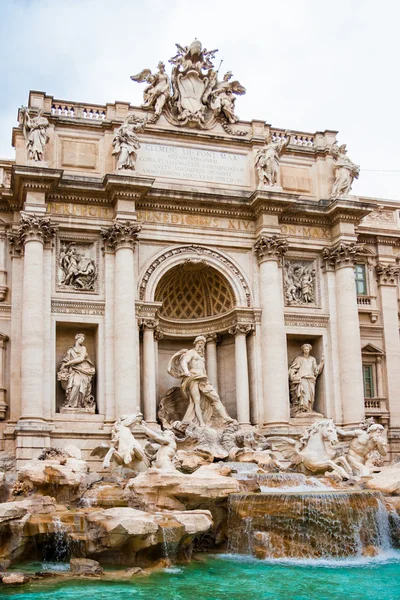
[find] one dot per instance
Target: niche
(65, 338)
(294, 344)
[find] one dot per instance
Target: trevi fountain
(199, 357)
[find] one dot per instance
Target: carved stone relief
(77, 266)
(300, 286)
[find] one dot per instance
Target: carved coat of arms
(193, 95)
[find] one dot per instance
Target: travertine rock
(85, 566)
(15, 578)
(387, 481)
(43, 472)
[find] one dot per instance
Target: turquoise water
(238, 578)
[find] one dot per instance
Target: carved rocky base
(68, 410)
(306, 418)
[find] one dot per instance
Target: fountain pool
(230, 577)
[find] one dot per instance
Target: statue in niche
(267, 161)
(157, 92)
(299, 283)
(75, 374)
(126, 142)
(368, 438)
(34, 127)
(196, 401)
(345, 171)
(303, 373)
(78, 271)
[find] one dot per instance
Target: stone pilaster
(240, 332)
(388, 275)
(211, 359)
(149, 327)
(158, 336)
(122, 238)
(32, 233)
(341, 259)
(3, 391)
(270, 251)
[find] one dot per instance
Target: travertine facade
(143, 227)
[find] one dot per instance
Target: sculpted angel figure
(345, 172)
(157, 92)
(222, 99)
(364, 440)
(267, 161)
(126, 142)
(303, 373)
(75, 373)
(35, 133)
(190, 367)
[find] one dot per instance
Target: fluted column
(3, 272)
(241, 373)
(3, 391)
(211, 359)
(122, 238)
(342, 258)
(149, 370)
(32, 232)
(270, 251)
(388, 275)
(158, 335)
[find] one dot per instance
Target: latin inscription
(306, 232)
(192, 163)
(188, 220)
(79, 210)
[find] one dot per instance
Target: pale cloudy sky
(308, 65)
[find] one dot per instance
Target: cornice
(215, 210)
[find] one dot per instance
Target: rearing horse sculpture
(315, 451)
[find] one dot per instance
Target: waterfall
(313, 524)
(57, 547)
(168, 542)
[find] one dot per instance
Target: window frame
(363, 279)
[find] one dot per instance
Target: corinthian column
(387, 281)
(241, 373)
(122, 238)
(32, 232)
(342, 258)
(270, 251)
(211, 359)
(149, 370)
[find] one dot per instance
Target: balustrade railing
(78, 111)
(375, 404)
(296, 139)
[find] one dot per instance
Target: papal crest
(193, 95)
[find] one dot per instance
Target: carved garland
(198, 250)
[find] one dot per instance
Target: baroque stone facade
(140, 228)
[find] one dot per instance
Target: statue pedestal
(67, 410)
(269, 188)
(306, 418)
(38, 163)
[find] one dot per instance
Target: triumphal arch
(129, 232)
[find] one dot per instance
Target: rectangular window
(368, 381)
(361, 280)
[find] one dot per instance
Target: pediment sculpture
(193, 95)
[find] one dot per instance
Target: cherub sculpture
(157, 92)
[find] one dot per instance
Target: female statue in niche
(75, 374)
(303, 373)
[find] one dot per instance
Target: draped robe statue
(75, 373)
(303, 373)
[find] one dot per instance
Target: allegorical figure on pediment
(157, 92)
(345, 172)
(126, 142)
(196, 401)
(303, 373)
(77, 269)
(268, 158)
(194, 96)
(75, 374)
(34, 127)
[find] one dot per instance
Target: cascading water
(57, 547)
(320, 524)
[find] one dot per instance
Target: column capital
(387, 274)
(213, 337)
(158, 334)
(121, 234)
(149, 323)
(271, 248)
(31, 228)
(241, 329)
(342, 255)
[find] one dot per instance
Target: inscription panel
(193, 220)
(194, 164)
(82, 154)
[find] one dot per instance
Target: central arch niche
(194, 291)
